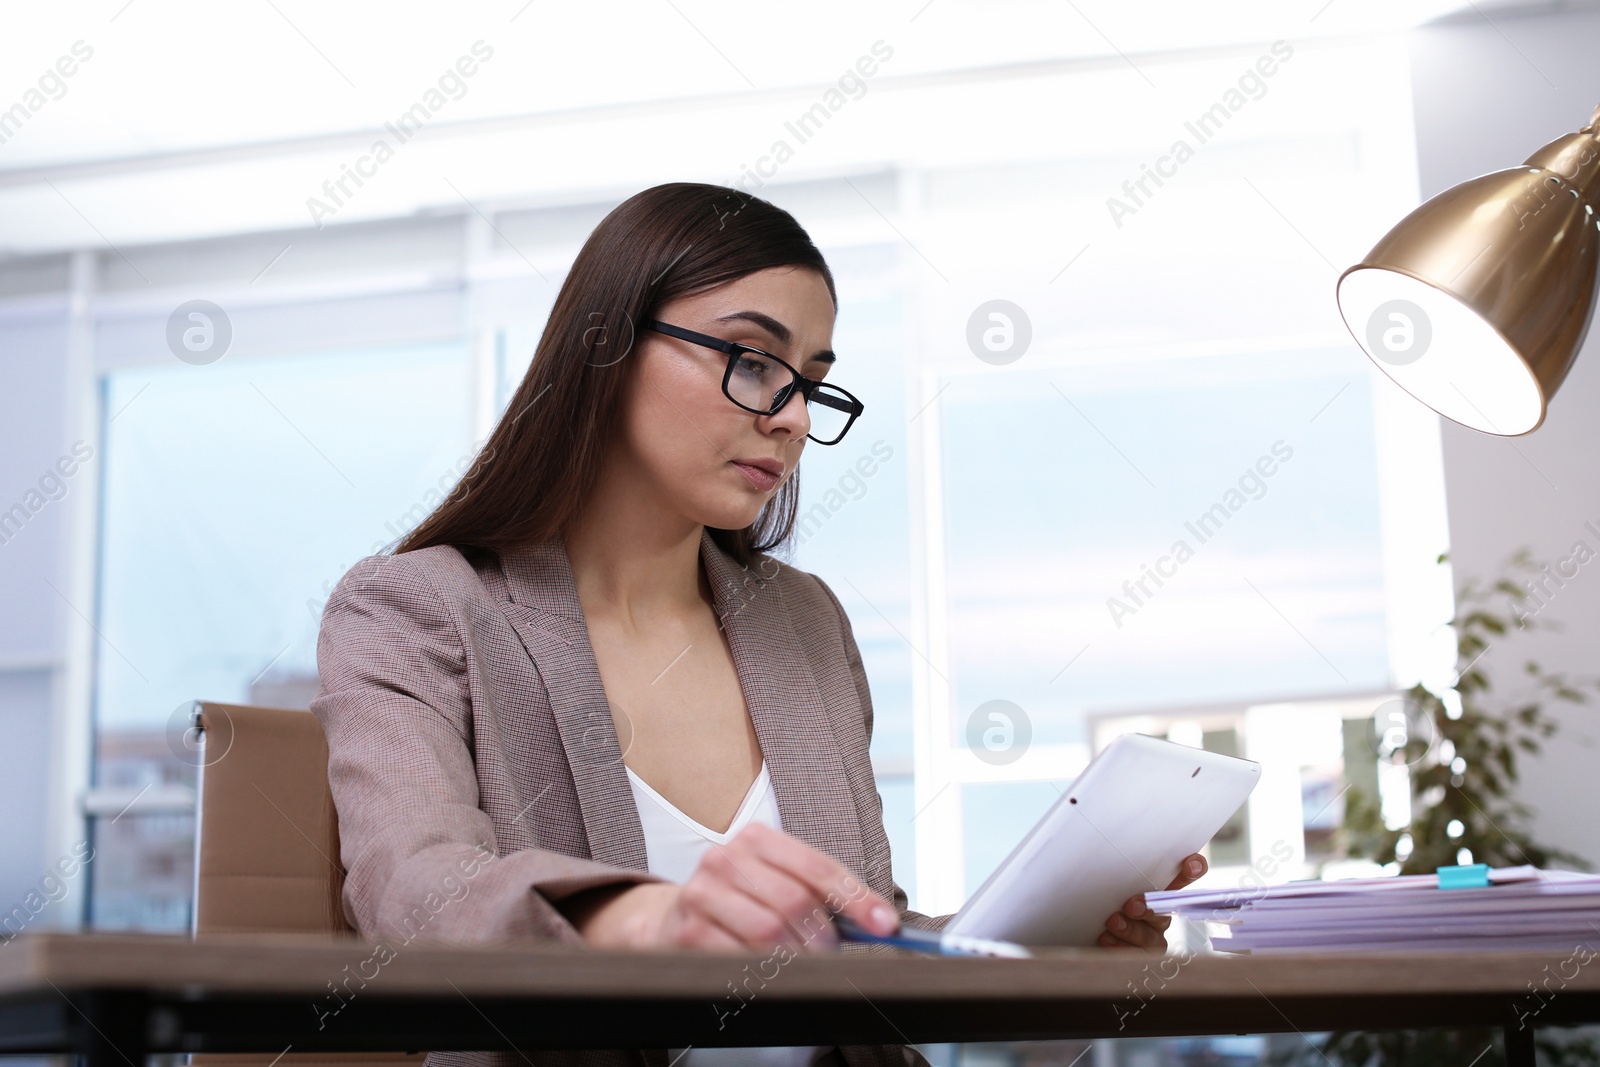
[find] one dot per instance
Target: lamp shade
(1477, 302)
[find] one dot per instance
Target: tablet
(1122, 828)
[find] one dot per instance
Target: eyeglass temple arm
(691, 336)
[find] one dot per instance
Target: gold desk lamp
(1478, 301)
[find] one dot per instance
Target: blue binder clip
(1471, 876)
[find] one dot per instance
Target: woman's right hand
(762, 890)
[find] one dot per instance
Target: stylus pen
(931, 942)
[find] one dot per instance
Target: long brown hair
(536, 471)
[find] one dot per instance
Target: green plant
(1464, 760)
(1462, 748)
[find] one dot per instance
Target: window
(236, 495)
(1182, 376)
(996, 529)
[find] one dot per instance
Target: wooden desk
(114, 998)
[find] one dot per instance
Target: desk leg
(1519, 1046)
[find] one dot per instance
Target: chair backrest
(267, 847)
(267, 835)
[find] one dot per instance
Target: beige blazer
(476, 770)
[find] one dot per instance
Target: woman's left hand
(1136, 926)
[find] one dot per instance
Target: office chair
(267, 846)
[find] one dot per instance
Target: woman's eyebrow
(777, 329)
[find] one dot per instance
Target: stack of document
(1514, 908)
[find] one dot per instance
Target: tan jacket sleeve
(395, 699)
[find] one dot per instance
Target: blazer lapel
(546, 613)
(803, 756)
(791, 722)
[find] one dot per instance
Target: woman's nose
(793, 414)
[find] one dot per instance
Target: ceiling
(177, 96)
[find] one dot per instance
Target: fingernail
(1136, 908)
(1194, 866)
(1117, 922)
(886, 920)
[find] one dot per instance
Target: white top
(674, 842)
(673, 845)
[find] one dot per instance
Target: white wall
(1486, 96)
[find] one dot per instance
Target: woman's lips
(762, 480)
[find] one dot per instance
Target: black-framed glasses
(761, 382)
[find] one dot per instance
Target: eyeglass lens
(756, 382)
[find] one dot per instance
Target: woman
(581, 691)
